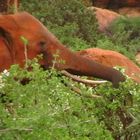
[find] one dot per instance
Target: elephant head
(41, 41)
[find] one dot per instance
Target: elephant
(110, 58)
(42, 41)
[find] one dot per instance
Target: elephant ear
(6, 38)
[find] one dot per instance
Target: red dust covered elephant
(41, 41)
(112, 59)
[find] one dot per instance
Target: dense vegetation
(46, 108)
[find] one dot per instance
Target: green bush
(117, 107)
(67, 36)
(62, 13)
(107, 44)
(45, 108)
(76, 27)
(123, 37)
(126, 33)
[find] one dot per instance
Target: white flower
(5, 72)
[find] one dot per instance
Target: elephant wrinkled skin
(41, 41)
(112, 59)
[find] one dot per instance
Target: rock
(112, 59)
(116, 4)
(130, 11)
(104, 17)
(138, 57)
(101, 3)
(124, 7)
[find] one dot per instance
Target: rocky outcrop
(115, 4)
(124, 7)
(101, 3)
(111, 59)
(130, 11)
(104, 17)
(138, 57)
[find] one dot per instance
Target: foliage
(128, 26)
(116, 109)
(125, 32)
(69, 26)
(67, 36)
(87, 2)
(45, 108)
(107, 43)
(62, 13)
(123, 36)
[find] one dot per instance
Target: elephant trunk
(79, 65)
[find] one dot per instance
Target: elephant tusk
(85, 81)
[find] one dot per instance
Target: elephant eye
(42, 44)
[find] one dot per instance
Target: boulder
(130, 11)
(100, 3)
(116, 4)
(124, 7)
(104, 17)
(138, 57)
